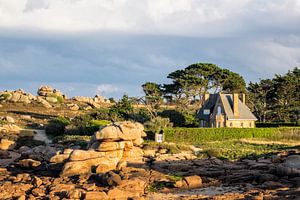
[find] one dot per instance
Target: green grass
(200, 135)
(234, 149)
(171, 148)
(226, 143)
(81, 140)
(100, 123)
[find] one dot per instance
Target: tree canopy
(277, 99)
(197, 79)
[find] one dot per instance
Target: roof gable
(227, 102)
(244, 111)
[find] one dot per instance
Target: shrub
(4, 96)
(180, 118)
(60, 99)
(200, 135)
(140, 115)
(122, 109)
(276, 124)
(157, 124)
(57, 126)
(85, 125)
(99, 123)
(101, 114)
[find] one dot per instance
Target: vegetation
(171, 148)
(122, 109)
(277, 99)
(157, 124)
(57, 126)
(200, 135)
(235, 149)
(4, 96)
(276, 124)
(191, 83)
(60, 99)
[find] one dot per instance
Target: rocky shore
(115, 166)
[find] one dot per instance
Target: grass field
(236, 144)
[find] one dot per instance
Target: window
(242, 124)
(250, 124)
(230, 124)
(219, 110)
(206, 111)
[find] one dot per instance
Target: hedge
(276, 124)
(200, 135)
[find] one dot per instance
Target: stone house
(225, 110)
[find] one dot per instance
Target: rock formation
(17, 96)
(94, 102)
(110, 148)
(48, 91)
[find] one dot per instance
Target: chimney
(244, 99)
(206, 97)
(235, 105)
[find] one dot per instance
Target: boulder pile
(110, 148)
(94, 102)
(48, 91)
(16, 96)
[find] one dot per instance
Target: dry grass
(261, 141)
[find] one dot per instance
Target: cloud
(180, 17)
(114, 46)
(32, 5)
(106, 89)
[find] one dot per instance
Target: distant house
(225, 110)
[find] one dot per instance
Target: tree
(197, 79)
(153, 94)
(122, 109)
(277, 99)
(260, 94)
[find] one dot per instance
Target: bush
(140, 115)
(157, 124)
(85, 125)
(60, 99)
(122, 109)
(180, 119)
(99, 123)
(101, 114)
(57, 126)
(4, 96)
(276, 124)
(201, 135)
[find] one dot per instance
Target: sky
(112, 47)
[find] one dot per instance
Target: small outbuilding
(225, 110)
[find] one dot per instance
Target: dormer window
(219, 110)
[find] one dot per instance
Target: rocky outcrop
(73, 106)
(290, 167)
(94, 102)
(17, 96)
(48, 91)
(110, 148)
(7, 144)
(10, 128)
(45, 103)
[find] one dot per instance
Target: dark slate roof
(244, 111)
(209, 104)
